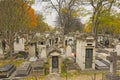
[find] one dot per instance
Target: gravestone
(19, 45)
(113, 66)
(118, 49)
(54, 57)
(43, 53)
(24, 69)
(7, 70)
(1, 54)
(68, 51)
(38, 67)
(31, 50)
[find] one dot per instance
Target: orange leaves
(33, 17)
(31, 14)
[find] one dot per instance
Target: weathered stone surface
(53, 76)
(68, 51)
(24, 69)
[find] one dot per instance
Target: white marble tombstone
(32, 50)
(43, 53)
(1, 54)
(118, 49)
(19, 46)
(68, 51)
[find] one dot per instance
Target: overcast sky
(50, 15)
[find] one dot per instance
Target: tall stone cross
(113, 61)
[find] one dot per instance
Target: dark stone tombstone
(66, 43)
(113, 66)
(107, 42)
(3, 44)
(56, 40)
(7, 70)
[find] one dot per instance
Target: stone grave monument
(118, 49)
(38, 67)
(54, 58)
(85, 52)
(68, 51)
(43, 53)
(113, 66)
(24, 69)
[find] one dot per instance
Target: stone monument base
(112, 76)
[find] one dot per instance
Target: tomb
(54, 56)
(100, 38)
(117, 49)
(100, 65)
(85, 52)
(1, 54)
(19, 44)
(68, 51)
(24, 69)
(2, 47)
(113, 66)
(31, 49)
(7, 70)
(38, 67)
(43, 53)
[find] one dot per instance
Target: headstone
(68, 51)
(113, 66)
(1, 54)
(38, 67)
(31, 50)
(19, 44)
(118, 49)
(43, 53)
(24, 69)
(7, 70)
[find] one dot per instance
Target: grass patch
(35, 78)
(46, 69)
(16, 63)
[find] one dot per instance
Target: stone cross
(113, 61)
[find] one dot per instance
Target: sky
(50, 14)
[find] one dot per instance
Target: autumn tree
(68, 12)
(99, 8)
(15, 18)
(42, 26)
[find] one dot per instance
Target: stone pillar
(59, 64)
(50, 64)
(111, 67)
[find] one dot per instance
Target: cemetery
(45, 58)
(61, 40)
(67, 59)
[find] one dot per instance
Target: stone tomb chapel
(85, 52)
(54, 57)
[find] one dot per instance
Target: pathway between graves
(53, 76)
